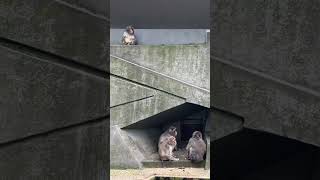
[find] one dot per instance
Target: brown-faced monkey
(128, 37)
(196, 147)
(166, 148)
(172, 131)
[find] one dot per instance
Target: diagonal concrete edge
(123, 152)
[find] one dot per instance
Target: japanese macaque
(196, 147)
(172, 131)
(166, 147)
(128, 37)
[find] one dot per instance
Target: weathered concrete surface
(124, 153)
(57, 28)
(278, 38)
(54, 90)
(159, 82)
(38, 96)
(133, 111)
(265, 70)
(189, 63)
(149, 92)
(265, 64)
(72, 153)
(162, 36)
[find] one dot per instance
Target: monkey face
(197, 135)
(173, 131)
(130, 30)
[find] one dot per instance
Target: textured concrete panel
(220, 124)
(162, 36)
(188, 63)
(73, 153)
(278, 38)
(151, 79)
(99, 7)
(123, 151)
(267, 105)
(122, 92)
(38, 95)
(134, 112)
(57, 28)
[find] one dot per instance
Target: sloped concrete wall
(53, 90)
(265, 65)
(146, 82)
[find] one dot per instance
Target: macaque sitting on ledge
(128, 37)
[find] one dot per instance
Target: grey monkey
(196, 147)
(166, 148)
(128, 37)
(172, 131)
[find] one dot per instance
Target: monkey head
(130, 30)
(197, 135)
(173, 131)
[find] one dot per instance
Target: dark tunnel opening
(254, 155)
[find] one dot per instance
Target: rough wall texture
(151, 87)
(265, 65)
(264, 77)
(54, 89)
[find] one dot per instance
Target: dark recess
(254, 155)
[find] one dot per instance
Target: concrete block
(55, 27)
(73, 153)
(38, 95)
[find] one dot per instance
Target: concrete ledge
(163, 36)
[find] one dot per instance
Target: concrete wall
(264, 76)
(164, 14)
(163, 36)
(152, 87)
(188, 63)
(54, 90)
(265, 65)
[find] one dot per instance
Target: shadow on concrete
(254, 155)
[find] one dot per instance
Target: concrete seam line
(161, 74)
(136, 100)
(57, 130)
(268, 77)
(49, 57)
(83, 10)
(145, 85)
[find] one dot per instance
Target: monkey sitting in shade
(128, 37)
(196, 147)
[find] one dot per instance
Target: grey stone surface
(38, 96)
(164, 14)
(97, 7)
(267, 105)
(188, 63)
(162, 36)
(124, 153)
(134, 111)
(278, 38)
(54, 90)
(151, 79)
(72, 153)
(220, 124)
(57, 28)
(153, 87)
(265, 65)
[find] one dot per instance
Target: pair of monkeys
(196, 147)
(128, 37)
